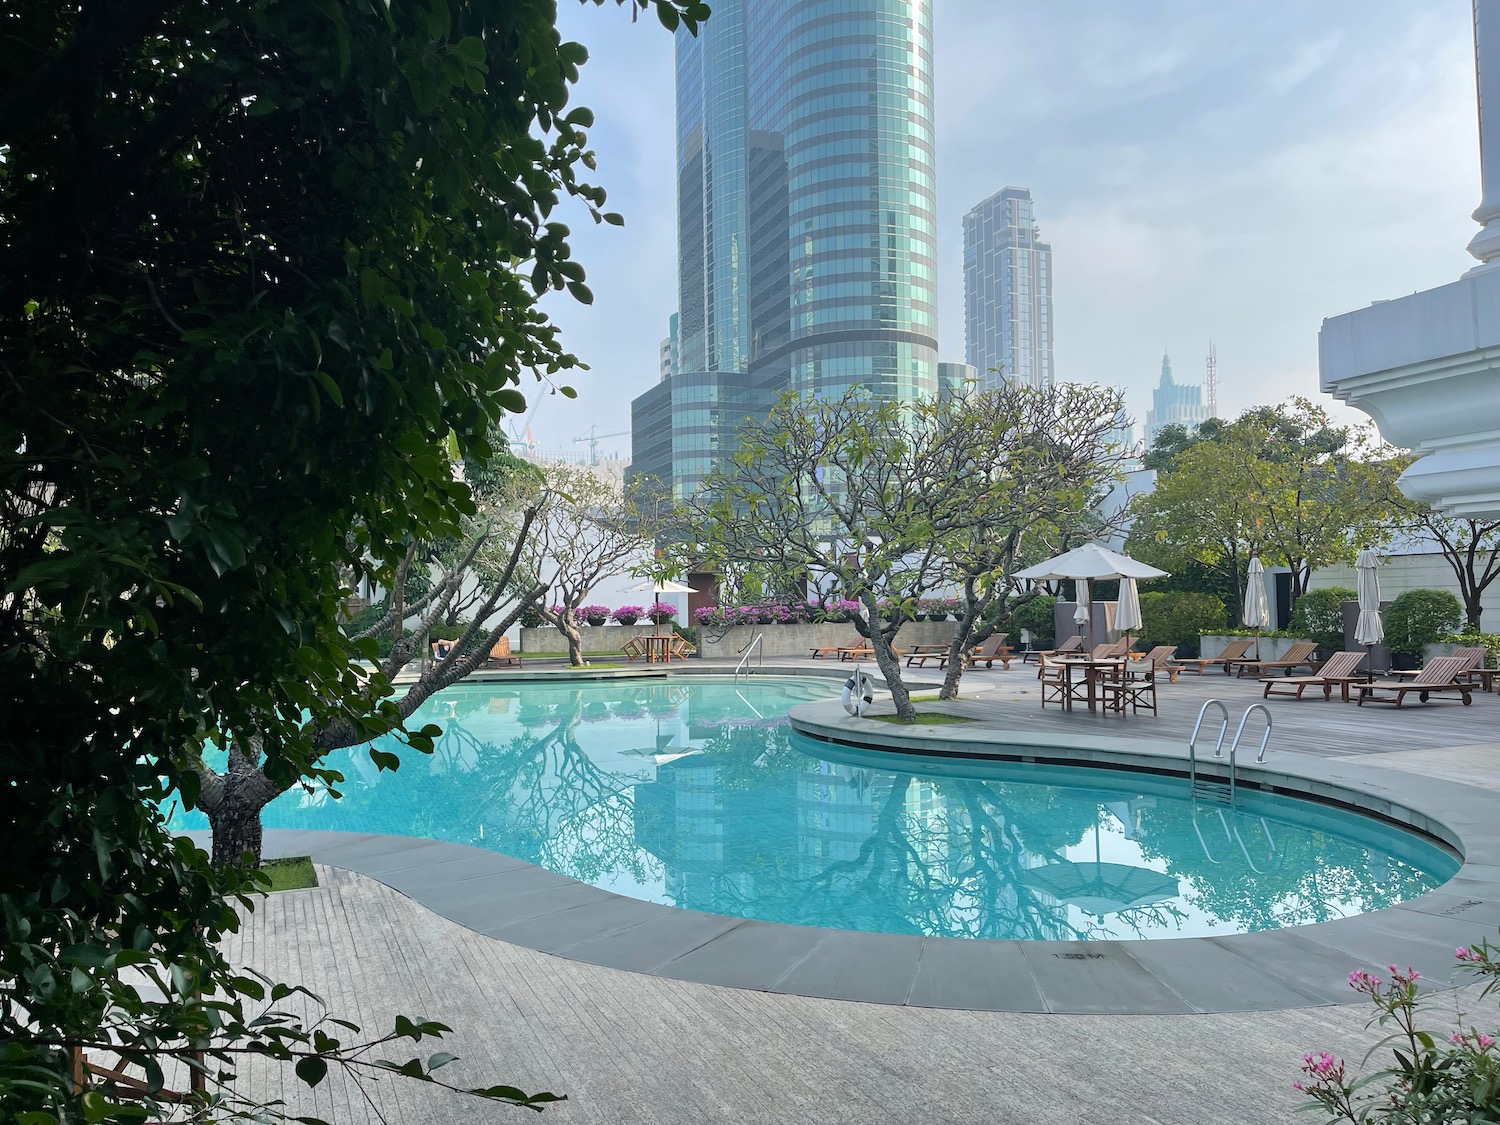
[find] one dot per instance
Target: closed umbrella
(1081, 614)
(1128, 608)
(1257, 611)
(1369, 630)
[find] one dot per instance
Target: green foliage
(1035, 616)
(1318, 615)
(267, 271)
(1489, 641)
(1179, 619)
(1432, 1075)
(1420, 617)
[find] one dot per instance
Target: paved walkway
(627, 1047)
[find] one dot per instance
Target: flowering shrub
(937, 608)
(839, 609)
(628, 614)
(767, 614)
(708, 615)
(661, 612)
(1432, 1080)
(594, 614)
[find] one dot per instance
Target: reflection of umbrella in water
(1100, 888)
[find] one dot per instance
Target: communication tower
(1211, 382)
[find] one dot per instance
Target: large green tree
(262, 266)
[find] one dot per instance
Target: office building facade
(1007, 291)
(1174, 403)
(806, 217)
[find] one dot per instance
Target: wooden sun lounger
(990, 650)
(1338, 672)
(501, 654)
(1234, 650)
(1161, 658)
(921, 654)
(1072, 644)
(824, 650)
(1437, 677)
(1473, 671)
(1295, 657)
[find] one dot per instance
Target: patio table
(1094, 670)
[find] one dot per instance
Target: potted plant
(1419, 618)
(661, 612)
(594, 614)
(628, 614)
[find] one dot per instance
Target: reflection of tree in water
(1311, 877)
(930, 856)
(540, 798)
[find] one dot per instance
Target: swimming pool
(694, 792)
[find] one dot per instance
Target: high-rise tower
(1174, 403)
(806, 228)
(1007, 291)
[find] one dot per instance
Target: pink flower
(1485, 1041)
(1297, 1086)
(1461, 953)
(1456, 1037)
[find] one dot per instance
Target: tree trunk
(237, 831)
(888, 663)
(568, 626)
(955, 672)
(1472, 610)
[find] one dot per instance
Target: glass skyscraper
(806, 219)
(1174, 403)
(1007, 291)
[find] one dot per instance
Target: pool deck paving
(642, 1012)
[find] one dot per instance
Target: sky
(1231, 172)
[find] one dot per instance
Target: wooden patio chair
(1054, 681)
(1295, 657)
(1234, 650)
(682, 648)
(633, 648)
(1337, 672)
(1135, 687)
(1436, 678)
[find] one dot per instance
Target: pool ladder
(1217, 790)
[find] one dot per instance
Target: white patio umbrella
(1128, 608)
(1369, 630)
(1257, 611)
(656, 588)
(1089, 561)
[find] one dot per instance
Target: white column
(1486, 244)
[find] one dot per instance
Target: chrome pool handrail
(1235, 745)
(1193, 742)
(744, 660)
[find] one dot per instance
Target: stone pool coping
(1302, 966)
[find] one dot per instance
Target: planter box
(1271, 648)
(596, 638)
(728, 642)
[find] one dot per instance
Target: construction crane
(593, 439)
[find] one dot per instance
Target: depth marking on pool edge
(1462, 906)
(1082, 956)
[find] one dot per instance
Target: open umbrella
(1100, 888)
(1128, 608)
(1089, 561)
(656, 588)
(1369, 630)
(1257, 612)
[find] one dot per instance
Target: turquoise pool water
(695, 793)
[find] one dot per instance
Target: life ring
(859, 692)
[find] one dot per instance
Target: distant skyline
(1226, 172)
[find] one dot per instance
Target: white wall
(1400, 573)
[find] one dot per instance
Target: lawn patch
(294, 873)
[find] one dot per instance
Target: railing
(1213, 790)
(1193, 784)
(752, 647)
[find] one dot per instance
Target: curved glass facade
(807, 250)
